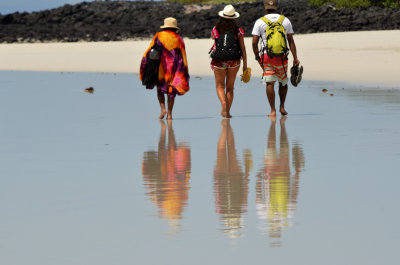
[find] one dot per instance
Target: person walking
(171, 72)
(227, 51)
(274, 65)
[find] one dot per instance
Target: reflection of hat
(228, 12)
(233, 226)
(170, 22)
(271, 4)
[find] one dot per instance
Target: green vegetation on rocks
(357, 3)
(215, 2)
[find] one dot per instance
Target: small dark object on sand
(89, 90)
(324, 90)
(331, 95)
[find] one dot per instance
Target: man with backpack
(276, 32)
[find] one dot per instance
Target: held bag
(227, 47)
(150, 78)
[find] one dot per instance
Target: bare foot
(228, 115)
(162, 124)
(283, 111)
(223, 110)
(163, 112)
(169, 117)
(272, 114)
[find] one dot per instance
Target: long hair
(225, 25)
(170, 29)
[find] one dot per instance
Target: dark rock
(121, 20)
(89, 90)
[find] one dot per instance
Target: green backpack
(276, 45)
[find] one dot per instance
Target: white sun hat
(229, 12)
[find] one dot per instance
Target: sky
(11, 6)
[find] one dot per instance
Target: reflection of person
(173, 75)
(226, 64)
(230, 182)
(166, 174)
(276, 189)
(274, 68)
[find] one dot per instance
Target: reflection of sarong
(167, 175)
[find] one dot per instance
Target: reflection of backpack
(227, 47)
(276, 45)
(150, 77)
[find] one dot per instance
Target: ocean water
(96, 178)
(7, 7)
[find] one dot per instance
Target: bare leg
(220, 75)
(271, 98)
(161, 142)
(272, 154)
(283, 89)
(271, 144)
(161, 100)
(171, 102)
(230, 85)
(171, 136)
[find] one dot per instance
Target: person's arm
(255, 49)
(292, 46)
(244, 54)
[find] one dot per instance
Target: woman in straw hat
(173, 74)
(226, 52)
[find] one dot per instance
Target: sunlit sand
(362, 57)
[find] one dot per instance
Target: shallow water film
(89, 175)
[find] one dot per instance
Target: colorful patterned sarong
(275, 69)
(173, 75)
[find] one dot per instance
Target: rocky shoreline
(123, 20)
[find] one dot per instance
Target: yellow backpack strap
(266, 20)
(281, 19)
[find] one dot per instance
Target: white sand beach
(362, 57)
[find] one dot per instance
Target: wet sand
(96, 178)
(370, 57)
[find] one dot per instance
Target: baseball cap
(271, 4)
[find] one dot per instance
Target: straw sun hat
(170, 22)
(229, 12)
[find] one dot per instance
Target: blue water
(7, 7)
(98, 179)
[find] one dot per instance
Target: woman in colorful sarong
(226, 54)
(173, 74)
